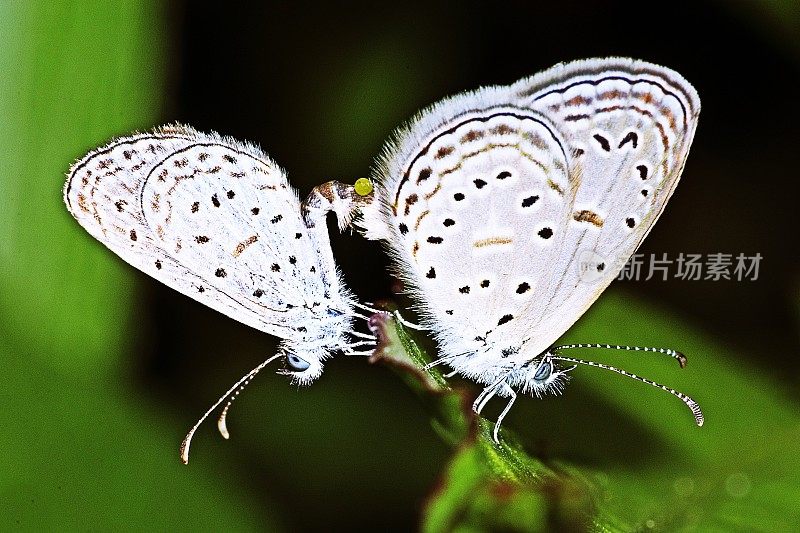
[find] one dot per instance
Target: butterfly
(508, 210)
(217, 220)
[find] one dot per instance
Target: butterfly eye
(297, 364)
(544, 371)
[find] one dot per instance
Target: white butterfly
(216, 220)
(508, 210)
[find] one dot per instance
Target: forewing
(212, 218)
(473, 214)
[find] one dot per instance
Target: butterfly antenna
(678, 356)
(690, 403)
(235, 390)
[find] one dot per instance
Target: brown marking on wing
(555, 186)
(444, 151)
(610, 95)
(419, 219)
(588, 216)
(492, 241)
(575, 118)
(472, 135)
(429, 195)
(410, 200)
(82, 203)
(578, 100)
(535, 139)
(502, 129)
(492, 146)
(242, 246)
(424, 174)
(449, 170)
(667, 112)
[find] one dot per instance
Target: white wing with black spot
(212, 218)
(497, 204)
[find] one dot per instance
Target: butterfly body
(508, 210)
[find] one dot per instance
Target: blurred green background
(104, 369)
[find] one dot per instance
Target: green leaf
(80, 449)
(648, 467)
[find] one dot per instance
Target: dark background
(320, 87)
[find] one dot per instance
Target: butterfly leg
(437, 362)
(396, 314)
(486, 395)
(406, 323)
(513, 395)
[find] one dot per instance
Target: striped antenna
(232, 393)
(691, 404)
(678, 356)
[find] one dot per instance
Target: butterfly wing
(628, 125)
(210, 217)
(492, 199)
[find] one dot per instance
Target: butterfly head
(543, 375)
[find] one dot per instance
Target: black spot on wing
(632, 138)
(604, 144)
(505, 319)
(529, 201)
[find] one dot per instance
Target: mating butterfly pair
(489, 201)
